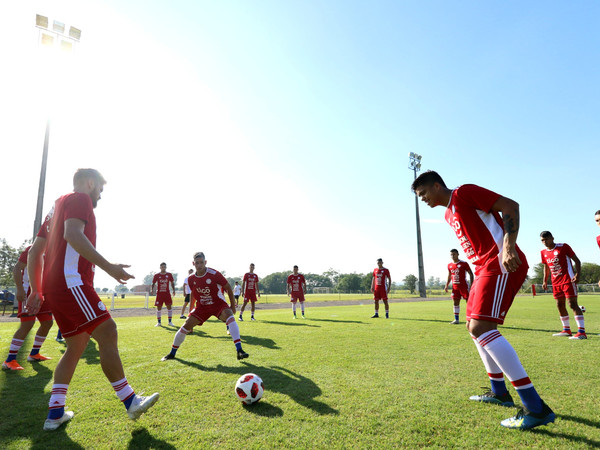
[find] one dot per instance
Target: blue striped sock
(56, 413)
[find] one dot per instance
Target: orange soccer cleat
(38, 357)
(12, 365)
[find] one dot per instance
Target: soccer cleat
(171, 324)
(140, 405)
(11, 365)
(454, 322)
(61, 340)
(303, 316)
(166, 358)
(182, 317)
(578, 336)
(490, 397)
(38, 357)
(241, 354)
(158, 324)
(253, 319)
(563, 333)
(240, 319)
(375, 316)
(525, 419)
(53, 424)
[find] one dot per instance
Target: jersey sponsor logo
(205, 291)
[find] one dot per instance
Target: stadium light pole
(53, 38)
(415, 166)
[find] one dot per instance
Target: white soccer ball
(582, 308)
(249, 388)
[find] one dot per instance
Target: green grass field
(335, 380)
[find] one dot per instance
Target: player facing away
(557, 261)
(67, 280)
(296, 289)
(44, 316)
(457, 275)
(186, 294)
(380, 286)
(207, 286)
(163, 294)
(251, 290)
(486, 225)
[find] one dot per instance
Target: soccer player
(163, 294)
(557, 263)
(44, 316)
(237, 291)
(68, 289)
(186, 293)
(207, 287)
(380, 286)
(597, 218)
(251, 290)
(296, 289)
(457, 271)
(486, 225)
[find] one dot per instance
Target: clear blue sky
(278, 132)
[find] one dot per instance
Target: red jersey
(296, 281)
(380, 275)
(251, 280)
(598, 240)
(559, 261)
(23, 260)
(208, 288)
(162, 281)
(64, 268)
(458, 272)
(45, 228)
(479, 229)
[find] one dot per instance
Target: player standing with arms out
(296, 289)
(68, 288)
(486, 225)
(186, 293)
(207, 287)
(44, 316)
(380, 286)
(251, 290)
(557, 263)
(163, 294)
(457, 271)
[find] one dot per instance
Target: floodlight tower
(55, 38)
(414, 164)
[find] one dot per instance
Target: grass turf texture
(337, 379)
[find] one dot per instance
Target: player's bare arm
(471, 276)
(389, 284)
(173, 286)
(448, 281)
(35, 263)
(509, 209)
(18, 277)
(231, 297)
(577, 262)
(546, 273)
(74, 235)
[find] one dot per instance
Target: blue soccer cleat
(490, 397)
(525, 419)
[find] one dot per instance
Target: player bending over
(206, 286)
(556, 259)
(457, 271)
(486, 225)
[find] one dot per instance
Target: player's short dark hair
(546, 234)
(597, 212)
(163, 263)
(251, 264)
(199, 255)
(295, 267)
(379, 260)
(454, 251)
(236, 282)
(427, 178)
(84, 174)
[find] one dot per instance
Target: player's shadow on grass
(25, 409)
(578, 439)
(90, 354)
(250, 340)
(290, 324)
(277, 379)
(142, 439)
(335, 320)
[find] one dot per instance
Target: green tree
(333, 275)
(148, 279)
(590, 273)
(121, 288)
(410, 282)
(314, 280)
(8, 259)
(275, 283)
(350, 282)
(538, 274)
(366, 281)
